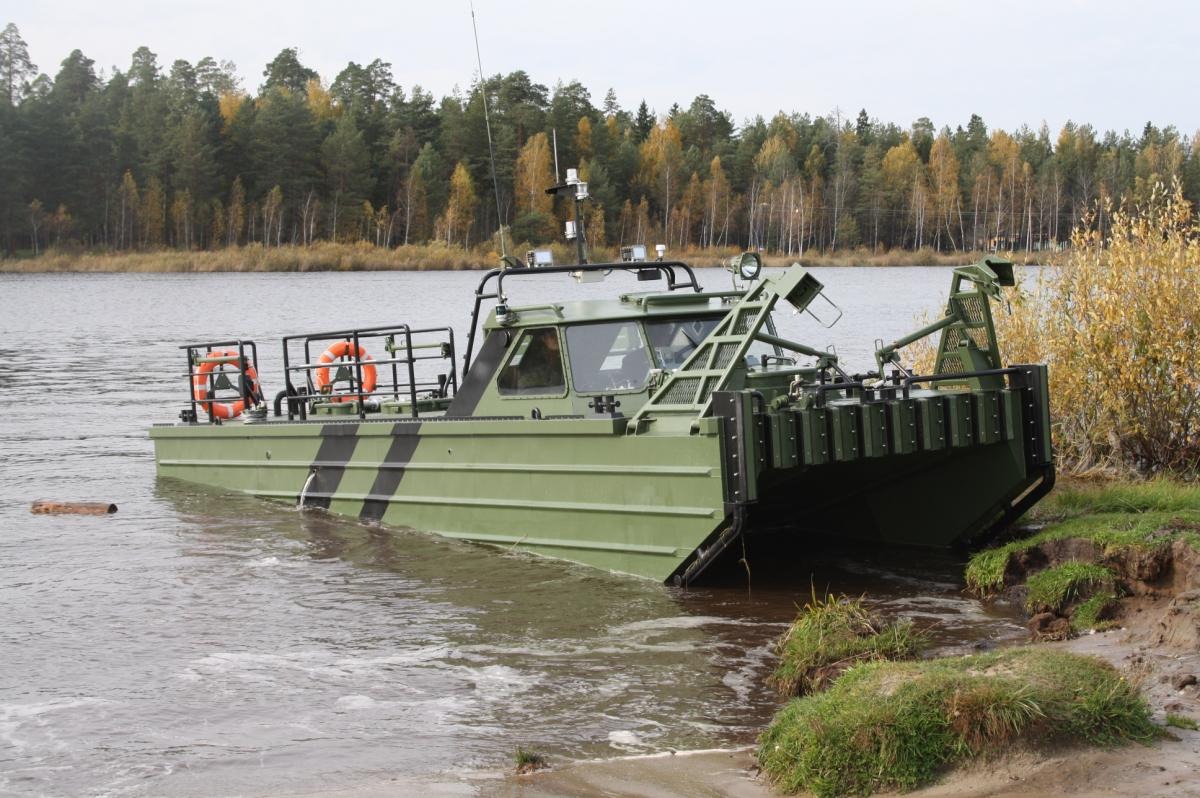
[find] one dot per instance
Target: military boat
(643, 434)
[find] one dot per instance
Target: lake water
(198, 643)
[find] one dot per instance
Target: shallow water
(200, 643)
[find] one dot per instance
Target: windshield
(674, 340)
(608, 357)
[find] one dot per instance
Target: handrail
(248, 396)
(397, 341)
(666, 266)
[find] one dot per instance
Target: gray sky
(1115, 64)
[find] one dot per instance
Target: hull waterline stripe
(513, 504)
(337, 447)
(522, 541)
(405, 439)
(548, 468)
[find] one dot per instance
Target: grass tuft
(829, 636)
(1053, 589)
(528, 761)
(1182, 722)
(896, 725)
(1094, 613)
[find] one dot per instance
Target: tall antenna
(487, 122)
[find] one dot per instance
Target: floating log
(76, 508)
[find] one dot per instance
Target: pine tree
(16, 70)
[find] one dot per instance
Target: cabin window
(608, 357)
(535, 367)
(675, 340)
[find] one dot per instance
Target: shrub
(1113, 324)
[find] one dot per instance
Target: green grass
(1090, 614)
(830, 635)
(1053, 589)
(1085, 498)
(897, 725)
(527, 761)
(1113, 515)
(1182, 722)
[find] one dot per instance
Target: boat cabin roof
(627, 306)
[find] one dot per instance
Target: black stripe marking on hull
(337, 447)
(479, 375)
(405, 438)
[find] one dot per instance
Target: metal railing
(396, 352)
(249, 392)
(665, 268)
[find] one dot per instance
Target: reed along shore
(362, 256)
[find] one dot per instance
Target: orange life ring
(340, 349)
(223, 409)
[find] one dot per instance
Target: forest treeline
(185, 157)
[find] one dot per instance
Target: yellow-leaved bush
(1118, 323)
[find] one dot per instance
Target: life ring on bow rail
(223, 409)
(340, 349)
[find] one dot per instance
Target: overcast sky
(1114, 64)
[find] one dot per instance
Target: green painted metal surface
(686, 463)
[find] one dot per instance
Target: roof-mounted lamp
(748, 266)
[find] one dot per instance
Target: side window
(608, 357)
(535, 367)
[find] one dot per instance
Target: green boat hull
(650, 505)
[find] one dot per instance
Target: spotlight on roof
(748, 265)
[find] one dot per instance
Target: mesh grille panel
(744, 320)
(950, 364)
(971, 308)
(979, 336)
(683, 392)
(725, 355)
(956, 337)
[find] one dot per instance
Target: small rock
(1183, 680)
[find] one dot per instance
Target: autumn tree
(661, 162)
(460, 210)
(943, 178)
